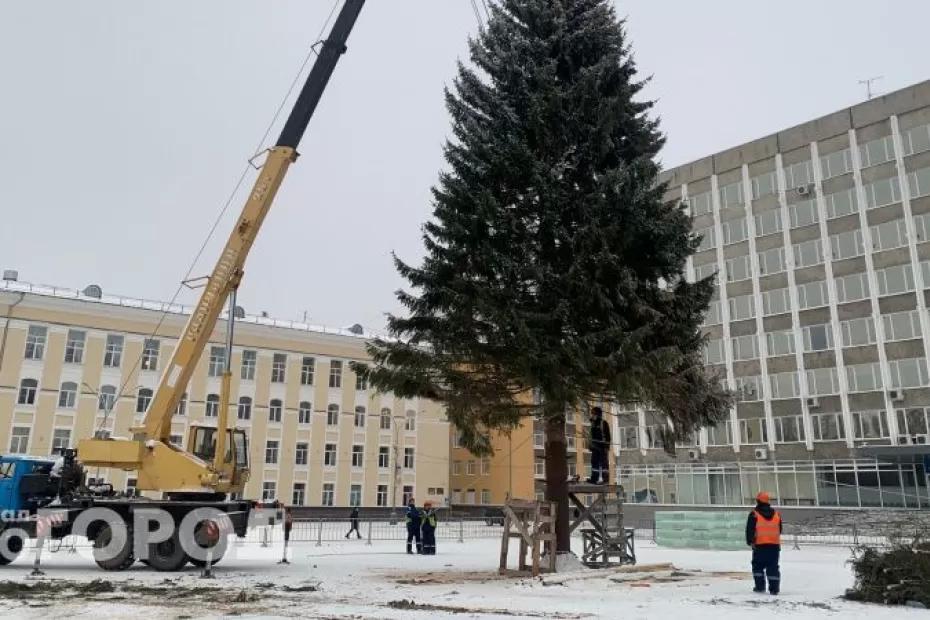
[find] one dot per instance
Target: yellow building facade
(73, 363)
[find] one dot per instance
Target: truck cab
(25, 483)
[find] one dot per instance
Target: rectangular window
(384, 457)
(28, 388)
(768, 223)
(753, 431)
(765, 184)
(332, 415)
(150, 350)
(629, 437)
(803, 213)
(269, 491)
(708, 240)
(864, 377)
(901, 325)
(916, 140)
(359, 420)
(771, 261)
(780, 342)
(789, 429)
(895, 280)
(539, 468)
(713, 351)
(881, 193)
(720, 435)
(410, 421)
(742, 307)
(784, 384)
(485, 496)
(807, 253)
(922, 227)
(307, 367)
(335, 374)
(61, 439)
(35, 342)
(329, 455)
(304, 413)
(470, 468)
(385, 419)
(143, 400)
(19, 440)
(382, 495)
(908, 373)
(858, 332)
(853, 287)
(247, 370)
(738, 269)
(918, 182)
(776, 301)
(846, 245)
(113, 354)
(712, 317)
(817, 337)
(278, 367)
(328, 494)
(869, 425)
(700, 204)
(355, 495)
(299, 495)
(704, 271)
(799, 174)
(828, 427)
(74, 346)
(408, 458)
(734, 231)
(749, 388)
(821, 381)
(731, 195)
(876, 152)
(361, 383)
(212, 406)
(836, 164)
(745, 347)
(841, 203)
(889, 235)
(217, 361)
(301, 453)
(812, 295)
(275, 407)
(67, 395)
(271, 452)
(358, 456)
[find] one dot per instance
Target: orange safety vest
(768, 532)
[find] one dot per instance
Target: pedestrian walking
(414, 519)
(429, 528)
(599, 445)
(353, 523)
(763, 534)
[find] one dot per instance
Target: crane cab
(201, 441)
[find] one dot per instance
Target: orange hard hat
(763, 497)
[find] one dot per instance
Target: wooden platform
(587, 488)
(606, 541)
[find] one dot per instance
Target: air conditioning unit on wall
(761, 454)
(694, 454)
(813, 402)
(896, 394)
(805, 190)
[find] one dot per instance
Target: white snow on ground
(355, 580)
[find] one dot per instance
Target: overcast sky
(124, 126)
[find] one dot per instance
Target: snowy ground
(354, 580)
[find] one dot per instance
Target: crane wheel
(167, 555)
(11, 545)
(122, 559)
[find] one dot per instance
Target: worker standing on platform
(429, 528)
(414, 519)
(763, 534)
(599, 446)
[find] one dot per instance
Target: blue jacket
(414, 516)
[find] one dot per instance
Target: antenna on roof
(868, 85)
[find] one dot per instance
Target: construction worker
(429, 528)
(414, 519)
(599, 445)
(763, 534)
(353, 523)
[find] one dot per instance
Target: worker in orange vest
(763, 534)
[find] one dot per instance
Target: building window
(67, 395)
(895, 280)
(706, 270)
(908, 373)
(106, 398)
(853, 287)
(335, 374)
(738, 269)
(869, 425)
(807, 254)
(410, 424)
(812, 294)
(803, 213)
(301, 453)
(901, 325)
(304, 412)
(329, 455)
(742, 307)
(889, 235)
(384, 457)
(708, 241)
(539, 439)
(307, 366)
(629, 437)
(361, 382)
(74, 346)
(799, 174)
(916, 140)
(19, 440)
(719, 435)
(539, 468)
(274, 410)
(332, 415)
(271, 452)
(864, 377)
(734, 231)
(822, 381)
(150, 350)
(836, 164)
(841, 203)
(143, 400)
(876, 152)
(745, 347)
(244, 411)
(846, 245)
(485, 496)
(753, 431)
(456, 468)
(213, 405)
(61, 439)
(35, 342)
(486, 464)
(269, 491)
(408, 458)
(217, 361)
(113, 354)
(470, 468)
(355, 495)
(299, 494)
(358, 456)
(131, 484)
(918, 182)
(247, 368)
(181, 408)
(748, 388)
(784, 385)
(771, 261)
(359, 417)
(27, 392)
(731, 195)
(775, 301)
(278, 367)
(780, 343)
(828, 427)
(817, 337)
(768, 223)
(881, 193)
(765, 184)
(385, 419)
(700, 204)
(712, 317)
(713, 351)
(789, 429)
(328, 492)
(381, 496)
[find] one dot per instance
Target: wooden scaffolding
(605, 541)
(533, 523)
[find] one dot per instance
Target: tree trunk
(557, 479)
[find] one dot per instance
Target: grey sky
(124, 125)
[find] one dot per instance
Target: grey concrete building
(820, 239)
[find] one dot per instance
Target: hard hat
(763, 497)
(427, 503)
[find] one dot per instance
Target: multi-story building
(72, 363)
(819, 236)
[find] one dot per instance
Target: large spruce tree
(553, 263)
